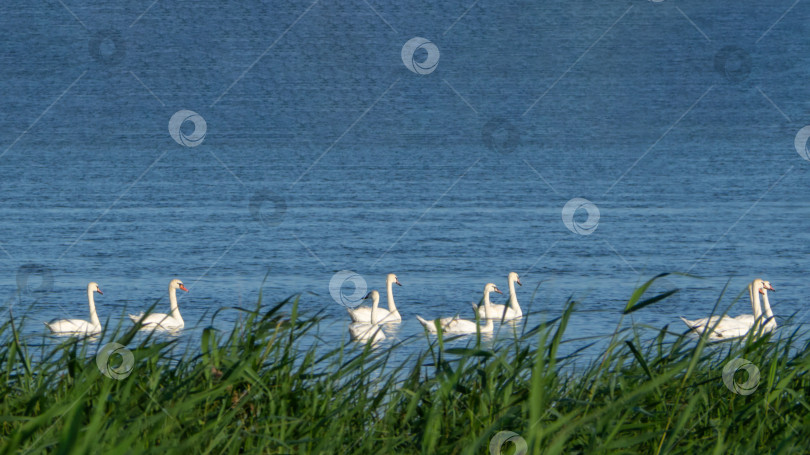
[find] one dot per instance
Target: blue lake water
(324, 152)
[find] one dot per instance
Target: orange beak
(99, 291)
(518, 282)
(498, 291)
(183, 288)
(398, 283)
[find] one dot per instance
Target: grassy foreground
(258, 391)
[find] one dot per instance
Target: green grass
(258, 390)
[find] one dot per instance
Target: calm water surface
(324, 152)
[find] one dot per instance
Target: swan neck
(487, 303)
(375, 302)
(91, 301)
(513, 302)
(173, 303)
(755, 303)
(392, 307)
(767, 305)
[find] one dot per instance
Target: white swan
(79, 326)
(731, 327)
(363, 332)
(363, 314)
(161, 321)
(456, 325)
(727, 327)
(369, 331)
(510, 312)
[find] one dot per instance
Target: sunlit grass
(259, 389)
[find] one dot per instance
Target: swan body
(505, 312)
(363, 332)
(456, 325)
(79, 326)
(369, 331)
(162, 321)
(726, 327)
(363, 313)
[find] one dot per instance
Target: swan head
(373, 295)
(93, 287)
(513, 276)
(393, 279)
(762, 286)
(177, 284)
(490, 287)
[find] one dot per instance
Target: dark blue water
(324, 152)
